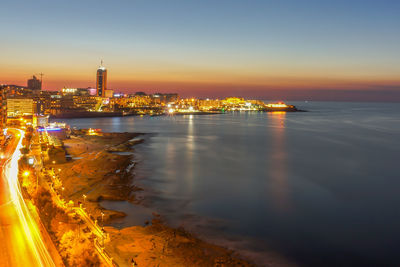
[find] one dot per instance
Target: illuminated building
(3, 111)
(92, 91)
(17, 107)
(159, 98)
(233, 101)
(16, 90)
(34, 83)
(109, 93)
(75, 91)
(277, 105)
(90, 103)
(40, 121)
(101, 81)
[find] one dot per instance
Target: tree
(78, 251)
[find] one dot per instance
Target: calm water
(314, 188)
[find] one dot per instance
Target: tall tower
(101, 82)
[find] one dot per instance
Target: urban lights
(26, 173)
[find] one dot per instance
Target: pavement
(21, 243)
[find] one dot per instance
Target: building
(160, 98)
(18, 107)
(101, 81)
(3, 111)
(34, 83)
(75, 91)
(109, 93)
(42, 102)
(92, 91)
(88, 103)
(40, 121)
(16, 90)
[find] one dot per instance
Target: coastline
(101, 169)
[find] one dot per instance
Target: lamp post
(84, 198)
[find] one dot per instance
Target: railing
(104, 255)
(95, 229)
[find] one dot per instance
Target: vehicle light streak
(30, 229)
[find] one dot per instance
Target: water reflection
(190, 148)
(277, 162)
(289, 179)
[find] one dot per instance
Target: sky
(286, 49)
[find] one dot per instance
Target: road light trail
(22, 242)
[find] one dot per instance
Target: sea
(315, 188)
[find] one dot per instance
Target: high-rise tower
(101, 82)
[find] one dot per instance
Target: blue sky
(256, 43)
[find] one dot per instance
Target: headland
(96, 170)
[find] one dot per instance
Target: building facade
(18, 107)
(34, 83)
(101, 81)
(3, 111)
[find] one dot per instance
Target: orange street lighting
(26, 173)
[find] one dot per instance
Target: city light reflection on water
(310, 185)
(277, 162)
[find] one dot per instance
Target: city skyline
(319, 51)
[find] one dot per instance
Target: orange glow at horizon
(198, 81)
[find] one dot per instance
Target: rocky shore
(101, 169)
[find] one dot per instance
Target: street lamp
(26, 173)
(84, 198)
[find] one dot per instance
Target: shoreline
(83, 115)
(88, 184)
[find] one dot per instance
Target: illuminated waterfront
(313, 186)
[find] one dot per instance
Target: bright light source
(191, 108)
(26, 173)
(31, 161)
(171, 110)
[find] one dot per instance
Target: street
(21, 243)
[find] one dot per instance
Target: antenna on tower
(41, 79)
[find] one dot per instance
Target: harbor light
(277, 105)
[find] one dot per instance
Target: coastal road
(21, 243)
